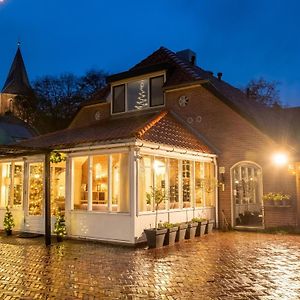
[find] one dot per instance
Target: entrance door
(246, 178)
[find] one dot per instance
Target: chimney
(188, 55)
(220, 75)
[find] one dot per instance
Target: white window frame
(134, 79)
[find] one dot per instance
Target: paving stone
(232, 265)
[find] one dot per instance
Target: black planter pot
(209, 226)
(181, 232)
(155, 237)
(170, 236)
(191, 230)
(200, 230)
(8, 232)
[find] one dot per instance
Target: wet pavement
(233, 265)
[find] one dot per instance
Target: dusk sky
(244, 39)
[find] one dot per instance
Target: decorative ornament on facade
(97, 115)
(190, 120)
(57, 157)
(198, 119)
(142, 100)
(183, 101)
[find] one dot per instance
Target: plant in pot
(180, 235)
(209, 226)
(155, 236)
(276, 199)
(171, 233)
(191, 230)
(8, 222)
(200, 230)
(60, 226)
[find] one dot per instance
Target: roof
(162, 128)
(17, 82)
(14, 130)
(98, 97)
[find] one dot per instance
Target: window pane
(5, 183)
(58, 184)
(119, 98)
(210, 184)
(100, 183)
(173, 183)
(18, 184)
(186, 183)
(156, 91)
(120, 182)
(36, 188)
(80, 182)
(199, 184)
(159, 166)
(137, 95)
(145, 184)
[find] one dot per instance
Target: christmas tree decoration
(142, 100)
(8, 222)
(57, 157)
(60, 226)
(36, 189)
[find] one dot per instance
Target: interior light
(280, 159)
(159, 167)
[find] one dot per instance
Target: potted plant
(8, 222)
(60, 226)
(155, 236)
(200, 230)
(277, 199)
(191, 230)
(171, 233)
(209, 226)
(180, 235)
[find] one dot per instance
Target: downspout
(216, 193)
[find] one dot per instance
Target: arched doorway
(246, 180)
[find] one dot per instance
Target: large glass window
(156, 91)
(80, 182)
(173, 183)
(5, 184)
(36, 188)
(119, 98)
(199, 184)
(247, 194)
(104, 178)
(186, 183)
(145, 184)
(18, 168)
(179, 179)
(58, 187)
(100, 182)
(138, 95)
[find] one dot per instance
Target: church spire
(17, 82)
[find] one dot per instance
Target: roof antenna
(19, 43)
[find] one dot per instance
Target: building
(165, 123)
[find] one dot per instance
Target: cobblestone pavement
(230, 265)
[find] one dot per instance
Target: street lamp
(280, 159)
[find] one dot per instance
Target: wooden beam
(47, 200)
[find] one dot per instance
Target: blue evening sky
(244, 39)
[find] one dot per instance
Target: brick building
(165, 123)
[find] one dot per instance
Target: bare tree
(264, 92)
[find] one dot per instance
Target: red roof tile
(160, 128)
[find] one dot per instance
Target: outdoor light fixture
(280, 159)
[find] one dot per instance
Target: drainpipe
(216, 193)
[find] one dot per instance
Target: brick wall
(276, 216)
(234, 137)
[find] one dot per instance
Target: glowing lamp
(280, 159)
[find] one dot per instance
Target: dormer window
(138, 94)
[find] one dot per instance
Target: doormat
(29, 235)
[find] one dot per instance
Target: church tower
(16, 84)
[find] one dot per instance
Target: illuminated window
(58, 186)
(199, 184)
(173, 183)
(186, 183)
(80, 182)
(138, 95)
(36, 188)
(18, 168)
(145, 184)
(5, 184)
